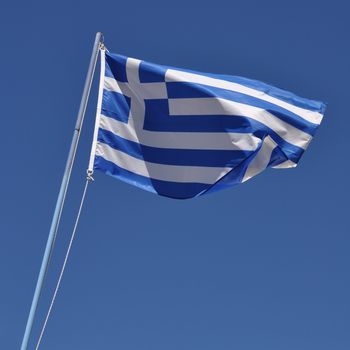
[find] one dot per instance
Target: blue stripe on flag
(116, 67)
(165, 188)
(151, 73)
(116, 105)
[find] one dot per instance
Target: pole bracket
(89, 174)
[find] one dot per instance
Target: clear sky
(262, 266)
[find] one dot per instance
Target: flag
(181, 133)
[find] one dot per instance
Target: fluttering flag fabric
(181, 133)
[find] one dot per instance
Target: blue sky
(264, 265)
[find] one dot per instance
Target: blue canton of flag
(181, 134)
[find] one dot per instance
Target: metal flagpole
(63, 189)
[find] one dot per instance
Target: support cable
(89, 178)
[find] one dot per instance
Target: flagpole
(63, 189)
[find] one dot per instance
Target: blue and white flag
(181, 134)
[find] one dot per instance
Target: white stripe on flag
(181, 140)
(173, 75)
(261, 160)
(174, 173)
(285, 165)
(144, 91)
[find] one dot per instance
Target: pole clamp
(89, 174)
(103, 47)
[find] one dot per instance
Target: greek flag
(181, 134)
